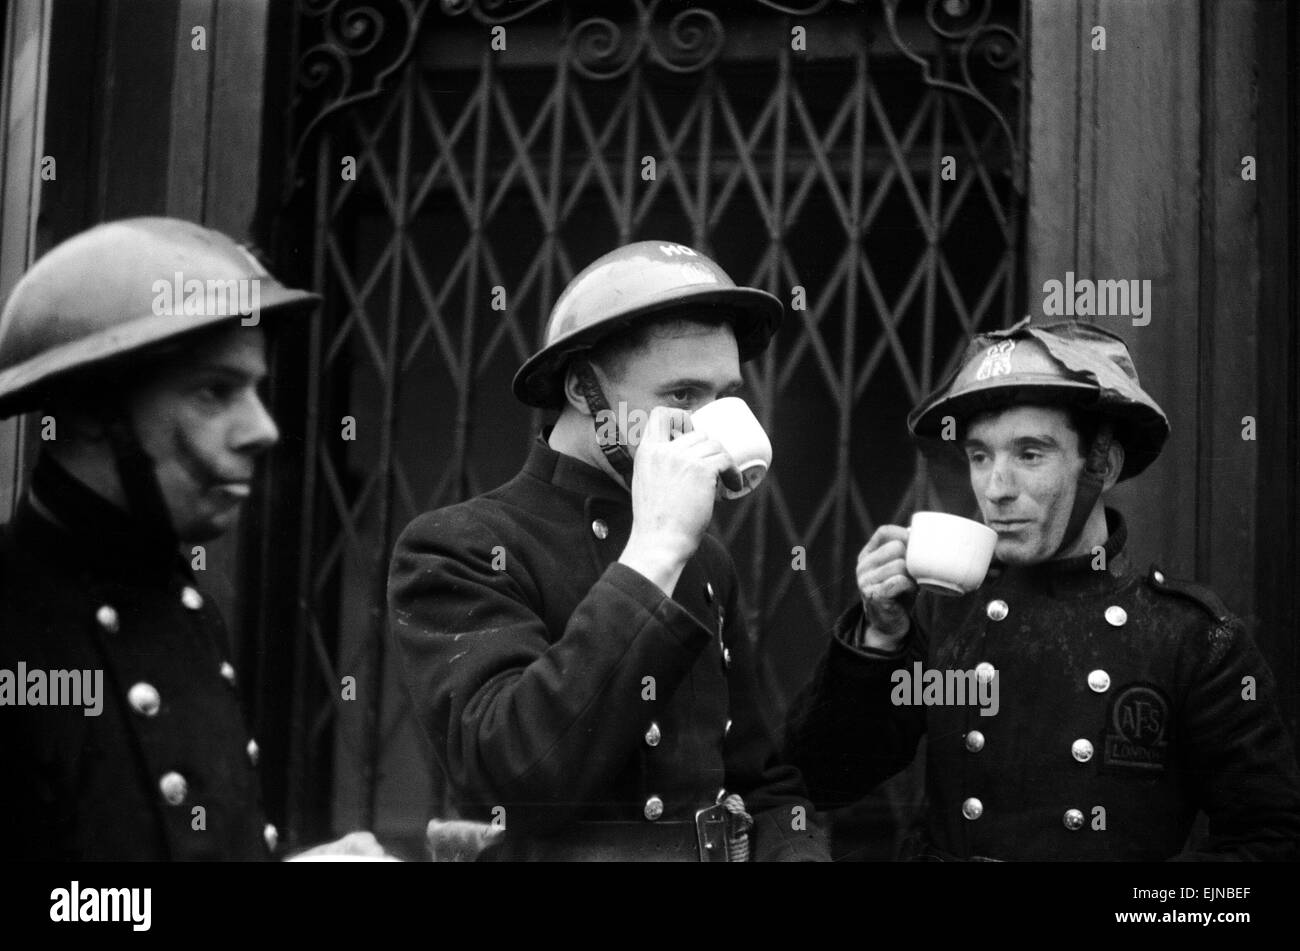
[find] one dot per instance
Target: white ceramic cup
(731, 422)
(948, 554)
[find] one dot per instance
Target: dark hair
(1085, 423)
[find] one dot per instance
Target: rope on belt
(737, 828)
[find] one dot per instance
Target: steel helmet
(630, 285)
(1068, 363)
(108, 293)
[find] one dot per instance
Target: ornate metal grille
(816, 173)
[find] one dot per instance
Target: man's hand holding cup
(674, 481)
(887, 589)
(945, 554)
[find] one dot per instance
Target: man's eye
(976, 458)
(682, 396)
(1031, 455)
(217, 392)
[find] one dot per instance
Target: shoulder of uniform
(463, 526)
(1191, 592)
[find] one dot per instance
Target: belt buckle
(711, 831)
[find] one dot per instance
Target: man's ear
(573, 390)
(1114, 464)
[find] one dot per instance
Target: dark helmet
(97, 298)
(633, 284)
(1071, 364)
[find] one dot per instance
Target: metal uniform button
(1099, 681)
(1081, 750)
(985, 672)
(996, 610)
(253, 751)
(974, 741)
(1073, 820)
(1116, 616)
(174, 788)
(726, 656)
(600, 529)
(228, 672)
(972, 808)
(708, 591)
(107, 618)
(1159, 577)
(653, 735)
(271, 836)
(191, 598)
(726, 730)
(654, 808)
(144, 699)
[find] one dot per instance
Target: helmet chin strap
(615, 451)
(135, 470)
(1091, 481)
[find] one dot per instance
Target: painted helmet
(1070, 363)
(633, 284)
(121, 288)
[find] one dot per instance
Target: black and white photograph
(641, 431)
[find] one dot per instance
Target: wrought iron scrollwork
(356, 45)
(601, 47)
(963, 26)
(493, 12)
(348, 52)
(695, 37)
(691, 40)
(808, 9)
(504, 11)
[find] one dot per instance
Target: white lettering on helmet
(997, 361)
(668, 250)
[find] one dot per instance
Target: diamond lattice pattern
(819, 180)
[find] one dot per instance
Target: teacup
(948, 554)
(732, 423)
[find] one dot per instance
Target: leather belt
(612, 841)
(704, 840)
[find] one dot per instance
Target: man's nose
(256, 431)
(1000, 486)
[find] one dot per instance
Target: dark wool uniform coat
(1122, 712)
(80, 591)
(565, 693)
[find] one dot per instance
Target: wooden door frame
(1135, 172)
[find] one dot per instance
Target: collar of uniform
(1075, 575)
(62, 520)
(570, 473)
